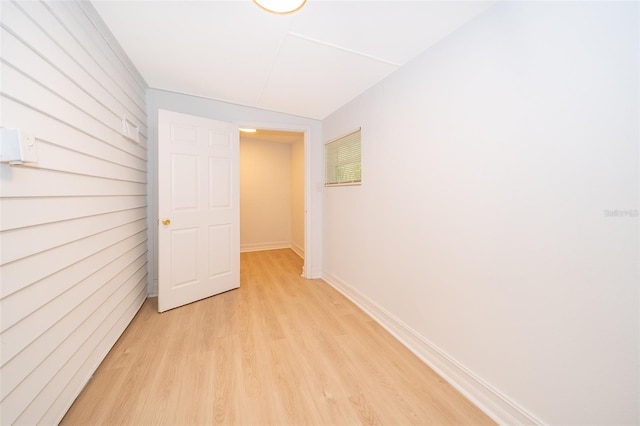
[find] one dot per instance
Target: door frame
(313, 189)
(306, 271)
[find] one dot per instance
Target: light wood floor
(279, 350)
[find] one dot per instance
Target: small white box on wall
(17, 147)
(130, 130)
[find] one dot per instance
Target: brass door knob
(166, 221)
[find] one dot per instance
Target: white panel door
(198, 206)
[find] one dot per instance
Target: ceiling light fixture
(246, 130)
(280, 6)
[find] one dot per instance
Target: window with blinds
(342, 160)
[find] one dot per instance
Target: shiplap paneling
(21, 274)
(22, 212)
(81, 24)
(21, 304)
(17, 84)
(22, 115)
(41, 32)
(51, 235)
(73, 237)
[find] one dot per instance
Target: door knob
(166, 221)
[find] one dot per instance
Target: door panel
(184, 269)
(184, 182)
(219, 183)
(219, 249)
(198, 183)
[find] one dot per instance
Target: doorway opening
(272, 190)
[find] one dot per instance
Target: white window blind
(342, 160)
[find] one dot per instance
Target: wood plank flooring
(280, 350)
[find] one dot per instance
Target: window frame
(352, 144)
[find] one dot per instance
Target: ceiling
(308, 64)
(277, 136)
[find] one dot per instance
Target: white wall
(297, 197)
(73, 227)
(248, 117)
(265, 195)
(271, 195)
(482, 233)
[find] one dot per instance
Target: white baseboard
(491, 401)
(314, 272)
(264, 246)
(297, 249)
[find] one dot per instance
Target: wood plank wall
(73, 234)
